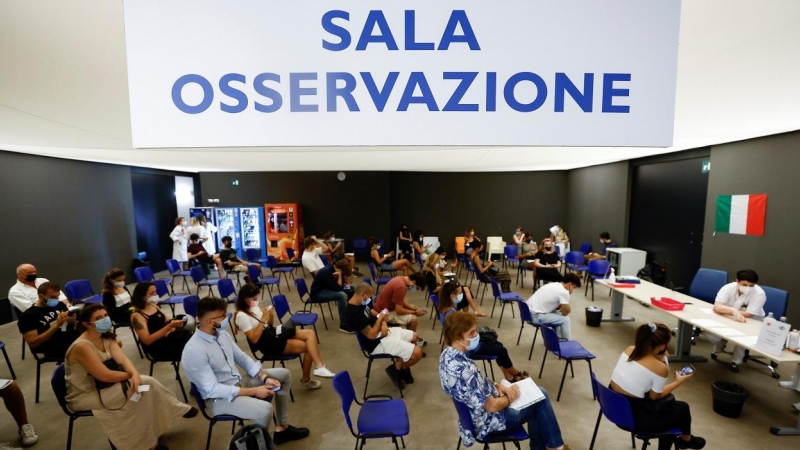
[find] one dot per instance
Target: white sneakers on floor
(28, 435)
(323, 372)
(311, 385)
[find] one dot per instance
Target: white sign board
(773, 336)
(213, 73)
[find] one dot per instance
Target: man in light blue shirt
(210, 359)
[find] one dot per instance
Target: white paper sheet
(529, 393)
(708, 323)
(707, 310)
(728, 332)
(749, 340)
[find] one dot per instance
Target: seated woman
(116, 297)
(518, 236)
(160, 337)
(455, 297)
(488, 402)
(641, 376)
(419, 248)
(527, 249)
(335, 248)
(385, 262)
(129, 425)
(489, 271)
(254, 321)
(470, 241)
(433, 274)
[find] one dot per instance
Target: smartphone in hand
(687, 370)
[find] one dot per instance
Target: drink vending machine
(228, 224)
(207, 212)
(284, 229)
(252, 225)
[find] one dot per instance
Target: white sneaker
(311, 385)
(788, 384)
(7, 446)
(28, 435)
(323, 372)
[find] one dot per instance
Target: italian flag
(741, 214)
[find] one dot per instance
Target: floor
(433, 419)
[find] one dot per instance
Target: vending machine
(208, 213)
(228, 224)
(284, 229)
(252, 225)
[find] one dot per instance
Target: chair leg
(403, 441)
(366, 384)
(644, 444)
(535, 334)
(594, 397)
(563, 377)
(434, 324)
(493, 306)
(633, 439)
(315, 331)
(141, 356)
(458, 446)
(8, 362)
(38, 376)
(396, 447)
(23, 349)
(491, 368)
(592, 291)
(208, 439)
(596, 427)
(152, 363)
(542, 368)
(180, 382)
(322, 313)
(330, 310)
(571, 368)
(520, 332)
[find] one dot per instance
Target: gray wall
(71, 219)
(597, 200)
(760, 166)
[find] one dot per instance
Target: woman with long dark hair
(385, 262)
(116, 297)
(489, 271)
(160, 336)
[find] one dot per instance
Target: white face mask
(152, 300)
(119, 284)
(745, 289)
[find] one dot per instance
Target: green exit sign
(234, 182)
(706, 166)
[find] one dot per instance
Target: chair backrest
(372, 271)
(290, 253)
(197, 274)
(174, 267)
(226, 289)
(585, 247)
(368, 281)
(550, 339)
(201, 403)
(251, 254)
(614, 405)
(461, 244)
(343, 386)
(302, 289)
(495, 288)
(253, 273)
(360, 340)
(525, 312)
(59, 383)
(281, 305)
(599, 267)
(464, 416)
(575, 258)
(360, 244)
(78, 289)
(271, 262)
(161, 288)
(435, 301)
(145, 273)
(190, 305)
(494, 243)
(706, 284)
(324, 260)
(777, 301)
(510, 251)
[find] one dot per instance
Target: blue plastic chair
(80, 291)
(163, 293)
(370, 358)
(483, 281)
(258, 279)
(514, 435)
(510, 254)
(145, 273)
(525, 316)
(585, 248)
(299, 263)
(505, 298)
(302, 291)
(175, 269)
(282, 271)
(379, 281)
(190, 305)
(59, 384)
(377, 419)
(568, 350)
(252, 255)
(777, 303)
(8, 361)
(598, 269)
(200, 280)
(360, 245)
(201, 405)
(18, 314)
(226, 290)
(324, 260)
(706, 284)
(618, 411)
(576, 261)
(301, 319)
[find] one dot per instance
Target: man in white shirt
(311, 259)
(24, 293)
(549, 305)
(739, 300)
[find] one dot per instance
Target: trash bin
(594, 316)
(728, 398)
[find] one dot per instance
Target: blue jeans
(542, 424)
(555, 318)
(338, 297)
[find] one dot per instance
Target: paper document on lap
(529, 393)
(4, 383)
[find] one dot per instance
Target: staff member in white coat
(24, 294)
(180, 242)
(196, 228)
(739, 300)
(210, 244)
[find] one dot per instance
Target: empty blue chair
(301, 319)
(200, 280)
(618, 411)
(201, 405)
(252, 255)
(190, 305)
(302, 291)
(510, 254)
(370, 358)
(504, 297)
(387, 418)
(8, 361)
(360, 245)
(777, 302)
(514, 435)
(80, 291)
(255, 277)
(706, 284)
(324, 260)
(145, 273)
(525, 316)
(585, 248)
(282, 271)
(568, 350)
(379, 281)
(166, 299)
(175, 269)
(290, 253)
(576, 261)
(226, 290)
(598, 269)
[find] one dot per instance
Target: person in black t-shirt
(43, 324)
(230, 260)
(547, 262)
(327, 287)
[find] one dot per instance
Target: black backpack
(251, 437)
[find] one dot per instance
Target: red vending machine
(284, 229)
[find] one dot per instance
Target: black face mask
(661, 353)
(31, 278)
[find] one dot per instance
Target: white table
(693, 315)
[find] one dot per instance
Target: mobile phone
(275, 389)
(687, 370)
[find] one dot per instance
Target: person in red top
(197, 251)
(393, 299)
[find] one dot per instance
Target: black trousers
(652, 422)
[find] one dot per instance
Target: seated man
(48, 327)
(378, 338)
(738, 300)
(393, 299)
(547, 262)
(311, 260)
(327, 287)
(210, 359)
(24, 294)
(549, 305)
(335, 248)
(606, 242)
(15, 404)
(230, 260)
(197, 251)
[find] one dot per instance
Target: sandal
(521, 375)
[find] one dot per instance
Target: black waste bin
(594, 316)
(729, 398)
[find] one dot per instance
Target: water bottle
(794, 340)
(770, 316)
(611, 277)
(783, 319)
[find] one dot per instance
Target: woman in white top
(253, 321)
(180, 242)
(641, 376)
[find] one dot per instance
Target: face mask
(413, 288)
(366, 301)
(183, 224)
(459, 297)
(223, 325)
(119, 284)
(548, 247)
(31, 278)
(52, 303)
(103, 325)
(474, 343)
(745, 289)
(253, 303)
(152, 299)
(517, 233)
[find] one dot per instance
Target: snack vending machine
(284, 229)
(252, 224)
(228, 225)
(203, 211)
